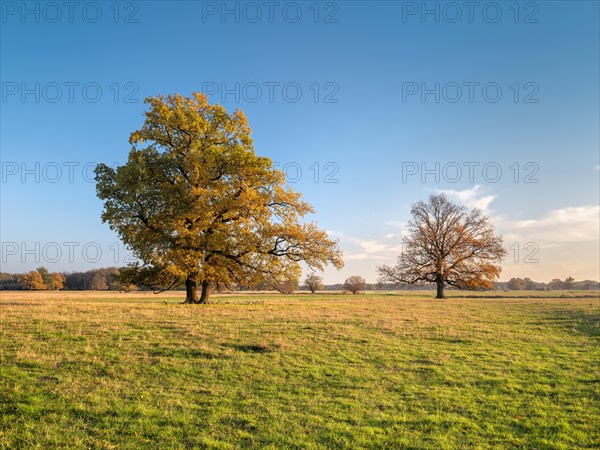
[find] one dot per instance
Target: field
(107, 370)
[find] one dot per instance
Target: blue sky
(338, 95)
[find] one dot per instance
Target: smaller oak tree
(354, 284)
(447, 245)
(313, 282)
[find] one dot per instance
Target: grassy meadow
(381, 370)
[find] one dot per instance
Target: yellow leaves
(197, 202)
(32, 281)
(56, 281)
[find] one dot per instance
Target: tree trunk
(205, 295)
(439, 281)
(191, 293)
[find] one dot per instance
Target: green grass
(324, 371)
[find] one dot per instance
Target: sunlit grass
(108, 370)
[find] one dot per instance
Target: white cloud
(471, 198)
(401, 225)
(570, 224)
(370, 249)
(565, 225)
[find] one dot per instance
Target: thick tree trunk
(205, 295)
(191, 293)
(439, 281)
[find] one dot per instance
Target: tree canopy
(33, 281)
(313, 282)
(354, 284)
(197, 205)
(447, 245)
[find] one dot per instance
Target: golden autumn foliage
(447, 245)
(56, 282)
(51, 281)
(197, 205)
(33, 281)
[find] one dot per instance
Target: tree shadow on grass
(252, 348)
(581, 321)
(182, 352)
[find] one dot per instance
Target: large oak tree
(447, 245)
(197, 206)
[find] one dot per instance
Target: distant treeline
(41, 279)
(105, 279)
(514, 284)
(569, 283)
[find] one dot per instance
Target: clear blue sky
(73, 83)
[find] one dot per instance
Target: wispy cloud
(565, 225)
(370, 248)
(471, 198)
